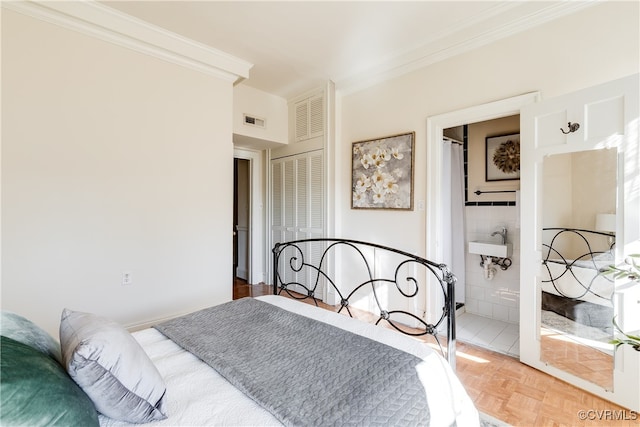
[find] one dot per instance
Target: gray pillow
(26, 332)
(111, 367)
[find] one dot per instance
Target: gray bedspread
(303, 371)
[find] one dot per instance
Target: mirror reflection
(578, 240)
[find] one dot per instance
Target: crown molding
(102, 22)
(446, 46)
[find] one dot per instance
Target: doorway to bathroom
(482, 209)
(488, 288)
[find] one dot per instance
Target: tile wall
(498, 298)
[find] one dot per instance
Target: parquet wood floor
(513, 392)
(579, 359)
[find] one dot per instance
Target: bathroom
(488, 294)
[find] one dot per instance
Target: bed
(575, 293)
(277, 361)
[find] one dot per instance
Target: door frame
(256, 252)
(435, 128)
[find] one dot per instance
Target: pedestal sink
(491, 249)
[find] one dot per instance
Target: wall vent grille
(309, 118)
(254, 121)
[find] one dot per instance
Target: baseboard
(460, 309)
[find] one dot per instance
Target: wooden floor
(513, 392)
(578, 359)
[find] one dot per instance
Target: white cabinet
(299, 180)
(309, 118)
(297, 205)
(297, 197)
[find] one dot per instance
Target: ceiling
(296, 46)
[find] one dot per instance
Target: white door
(298, 211)
(604, 117)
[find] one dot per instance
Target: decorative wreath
(507, 156)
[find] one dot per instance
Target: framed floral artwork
(382, 173)
(503, 157)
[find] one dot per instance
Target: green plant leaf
(631, 340)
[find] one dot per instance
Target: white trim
(257, 256)
(435, 128)
(138, 326)
(102, 22)
(445, 45)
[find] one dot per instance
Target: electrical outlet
(127, 279)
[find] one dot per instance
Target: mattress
(583, 282)
(198, 395)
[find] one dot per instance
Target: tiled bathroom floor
(489, 333)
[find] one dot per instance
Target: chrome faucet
(502, 234)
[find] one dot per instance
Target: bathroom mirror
(578, 240)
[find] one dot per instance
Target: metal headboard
(291, 261)
(586, 256)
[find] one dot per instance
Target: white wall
(112, 161)
(595, 45)
(256, 103)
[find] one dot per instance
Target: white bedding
(588, 274)
(198, 396)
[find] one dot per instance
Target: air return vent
(309, 116)
(254, 121)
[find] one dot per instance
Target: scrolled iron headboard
(585, 257)
(291, 260)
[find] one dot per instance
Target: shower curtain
(453, 233)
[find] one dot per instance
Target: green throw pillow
(23, 330)
(35, 390)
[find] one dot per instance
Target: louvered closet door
(302, 121)
(316, 116)
(309, 115)
(283, 203)
(298, 207)
(311, 209)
